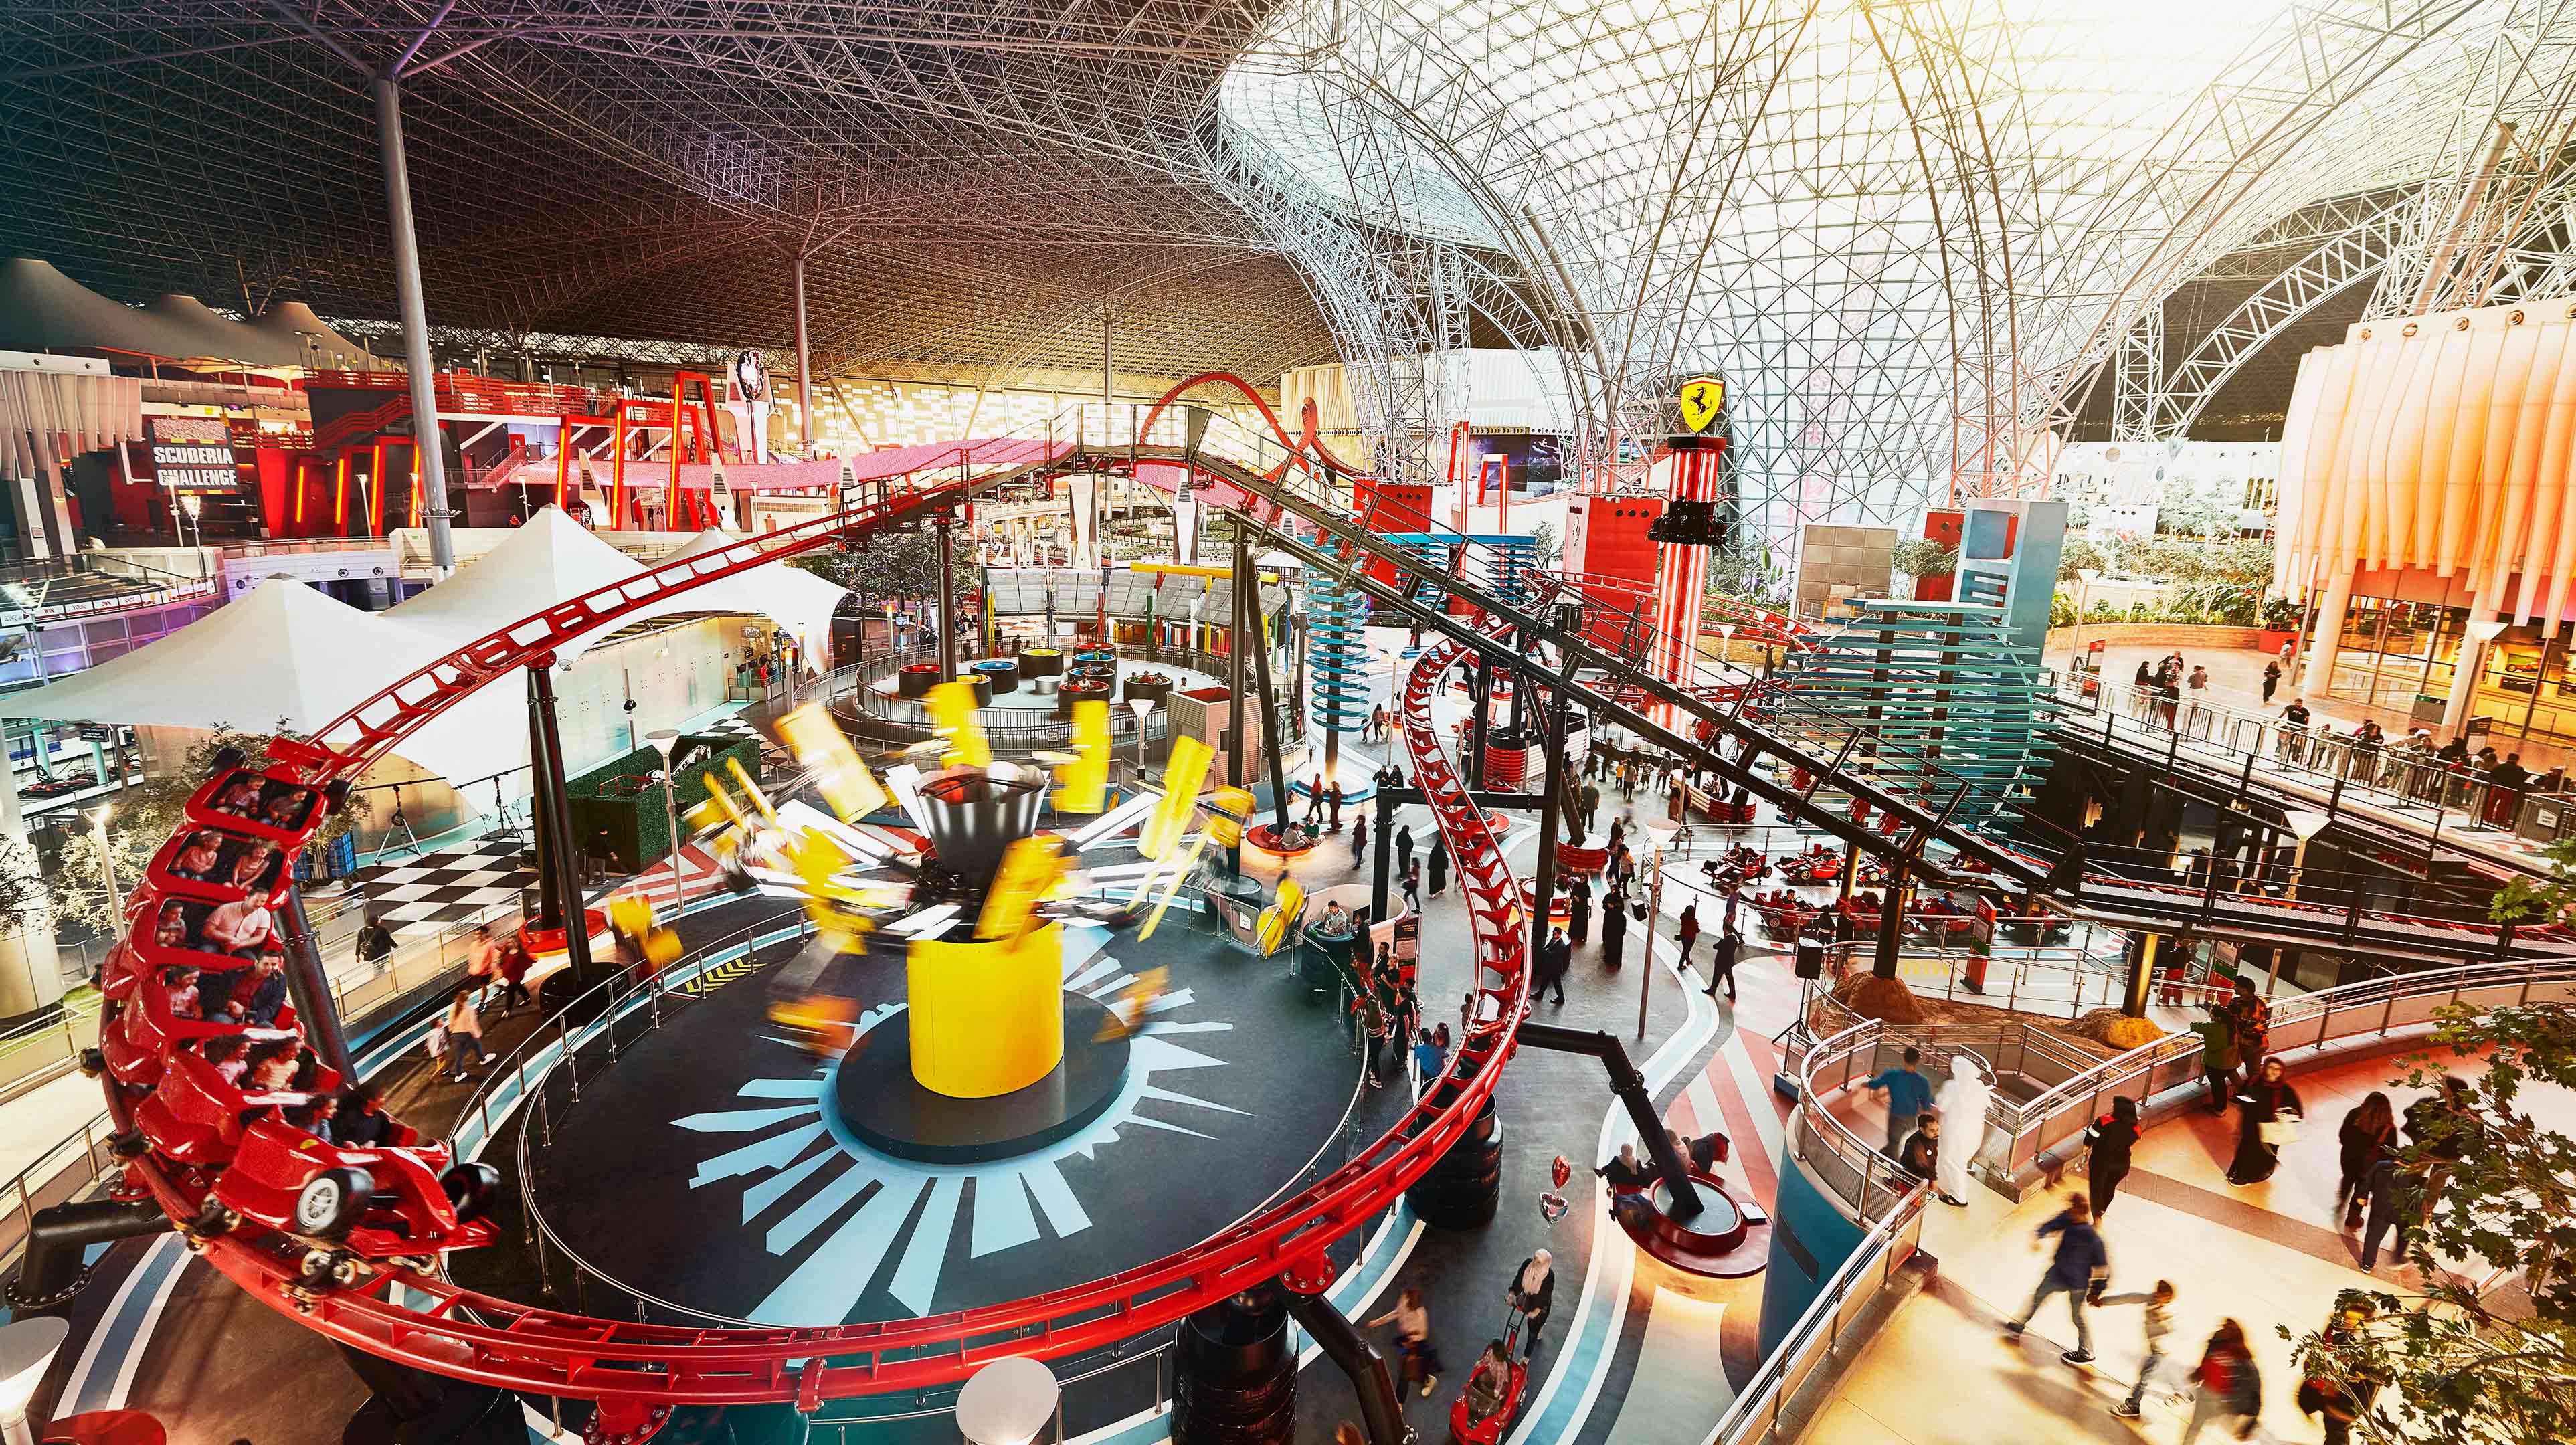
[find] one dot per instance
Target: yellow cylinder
(987, 1017)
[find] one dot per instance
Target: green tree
(894, 566)
(2454, 1361)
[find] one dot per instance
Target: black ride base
(889, 1110)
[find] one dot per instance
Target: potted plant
(2280, 623)
(1923, 559)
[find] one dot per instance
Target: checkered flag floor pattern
(428, 890)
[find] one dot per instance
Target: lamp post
(2085, 577)
(663, 740)
(2307, 825)
(1007, 1402)
(1141, 706)
(107, 865)
(27, 1350)
(2482, 634)
(1660, 835)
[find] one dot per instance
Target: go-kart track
(347, 1240)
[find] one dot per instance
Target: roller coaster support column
(1552, 803)
(1891, 924)
(2142, 975)
(310, 989)
(948, 597)
(1381, 1403)
(415, 323)
(549, 782)
(542, 820)
(1477, 723)
(1245, 585)
(1630, 1086)
(1269, 716)
(51, 1271)
(1385, 847)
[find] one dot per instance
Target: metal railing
(2379, 1009)
(523, 1079)
(2059, 982)
(2388, 775)
(37, 1053)
(1855, 1170)
(1815, 1340)
(869, 714)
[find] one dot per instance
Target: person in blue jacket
(2081, 1261)
(1908, 1094)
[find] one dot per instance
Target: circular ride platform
(720, 1166)
(876, 1099)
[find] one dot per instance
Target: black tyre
(470, 1187)
(332, 1202)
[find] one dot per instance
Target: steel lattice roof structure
(1919, 237)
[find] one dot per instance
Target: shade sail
(281, 658)
(548, 560)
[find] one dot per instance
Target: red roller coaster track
(432, 1324)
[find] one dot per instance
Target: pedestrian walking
(2157, 1324)
(2445, 1127)
(1412, 1321)
(1359, 841)
(1614, 927)
(2267, 1115)
(2341, 1401)
(2253, 1020)
(1533, 1293)
(2368, 1135)
(1591, 804)
(1315, 801)
(514, 975)
(464, 1031)
(2106, 1159)
(1439, 864)
(1578, 912)
(2217, 1057)
(2080, 1261)
(1687, 934)
(1721, 960)
(1903, 1089)
(1554, 957)
(2271, 680)
(1413, 885)
(2389, 1193)
(2229, 1388)
(1404, 847)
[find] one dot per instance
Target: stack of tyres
(1461, 1189)
(1234, 1381)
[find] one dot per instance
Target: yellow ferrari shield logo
(1703, 397)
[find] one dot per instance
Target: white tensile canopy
(287, 657)
(282, 657)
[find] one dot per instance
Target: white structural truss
(1903, 232)
(1909, 233)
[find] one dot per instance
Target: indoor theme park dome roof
(1917, 239)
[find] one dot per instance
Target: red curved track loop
(159, 1094)
(1308, 442)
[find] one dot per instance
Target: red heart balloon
(1551, 1207)
(1560, 1171)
